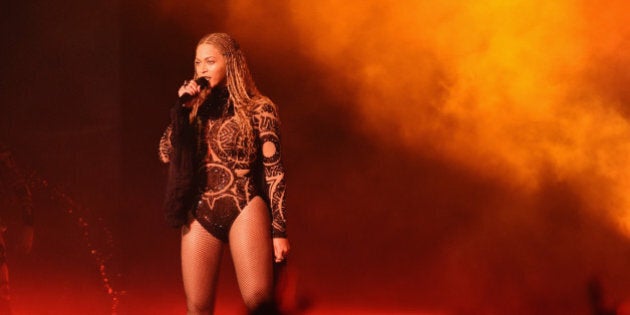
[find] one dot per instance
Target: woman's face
(210, 63)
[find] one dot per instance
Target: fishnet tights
(251, 249)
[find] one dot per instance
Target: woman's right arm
(166, 144)
(166, 147)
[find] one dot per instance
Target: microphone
(186, 97)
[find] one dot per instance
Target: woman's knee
(256, 298)
(263, 306)
(199, 306)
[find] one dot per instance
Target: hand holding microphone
(190, 89)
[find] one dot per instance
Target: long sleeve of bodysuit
(165, 148)
(268, 124)
(178, 148)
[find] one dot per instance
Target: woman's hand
(189, 87)
(281, 249)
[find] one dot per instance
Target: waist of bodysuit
(221, 179)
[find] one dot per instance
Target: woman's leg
(201, 257)
(252, 253)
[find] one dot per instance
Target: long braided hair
(243, 93)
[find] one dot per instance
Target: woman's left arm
(268, 123)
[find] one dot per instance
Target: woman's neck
(216, 103)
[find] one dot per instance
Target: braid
(244, 95)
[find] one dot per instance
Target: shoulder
(263, 105)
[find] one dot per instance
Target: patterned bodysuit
(231, 177)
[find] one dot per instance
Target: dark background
(85, 92)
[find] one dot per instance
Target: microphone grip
(186, 97)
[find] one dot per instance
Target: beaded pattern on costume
(165, 148)
(267, 125)
(227, 155)
(228, 165)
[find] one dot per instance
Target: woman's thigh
(252, 252)
(201, 257)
